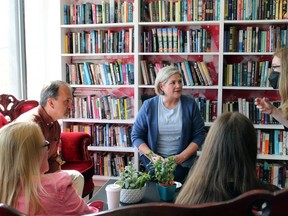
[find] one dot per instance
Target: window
(11, 53)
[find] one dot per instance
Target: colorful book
(144, 71)
(170, 39)
(199, 75)
(175, 39)
(186, 77)
(189, 73)
(160, 40)
(165, 39)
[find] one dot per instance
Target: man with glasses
(55, 104)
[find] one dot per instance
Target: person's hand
(264, 105)
(178, 159)
(155, 158)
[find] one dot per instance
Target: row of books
(253, 39)
(273, 173)
(109, 135)
(272, 142)
(183, 10)
(250, 73)
(87, 128)
(208, 108)
(103, 107)
(248, 108)
(111, 164)
(176, 40)
(103, 12)
(255, 9)
(194, 73)
(88, 73)
(100, 41)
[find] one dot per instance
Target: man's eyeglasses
(46, 145)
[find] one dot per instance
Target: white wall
(42, 21)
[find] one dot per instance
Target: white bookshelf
(217, 57)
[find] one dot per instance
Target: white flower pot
(132, 195)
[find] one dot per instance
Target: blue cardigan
(145, 128)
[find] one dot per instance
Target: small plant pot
(130, 196)
(166, 193)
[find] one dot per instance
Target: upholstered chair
(76, 157)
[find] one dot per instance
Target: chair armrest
(74, 146)
(99, 204)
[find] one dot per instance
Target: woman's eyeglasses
(46, 145)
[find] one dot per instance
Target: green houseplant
(164, 175)
(164, 171)
(133, 184)
(163, 168)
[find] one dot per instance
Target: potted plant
(133, 184)
(164, 175)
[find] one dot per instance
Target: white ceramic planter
(132, 195)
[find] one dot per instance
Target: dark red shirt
(51, 131)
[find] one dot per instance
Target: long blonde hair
(282, 54)
(21, 154)
(228, 156)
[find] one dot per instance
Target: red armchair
(3, 120)
(74, 144)
(74, 152)
(11, 108)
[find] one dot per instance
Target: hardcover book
(160, 40)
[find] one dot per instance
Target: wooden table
(151, 194)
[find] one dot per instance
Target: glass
(46, 145)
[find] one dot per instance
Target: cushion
(74, 146)
(81, 166)
(3, 120)
(25, 106)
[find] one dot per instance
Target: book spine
(112, 10)
(175, 39)
(165, 39)
(187, 80)
(207, 73)
(194, 75)
(199, 66)
(170, 40)
(201, 80)
(187, 66)
(144, 72)
(154, 40)
(160, 40)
